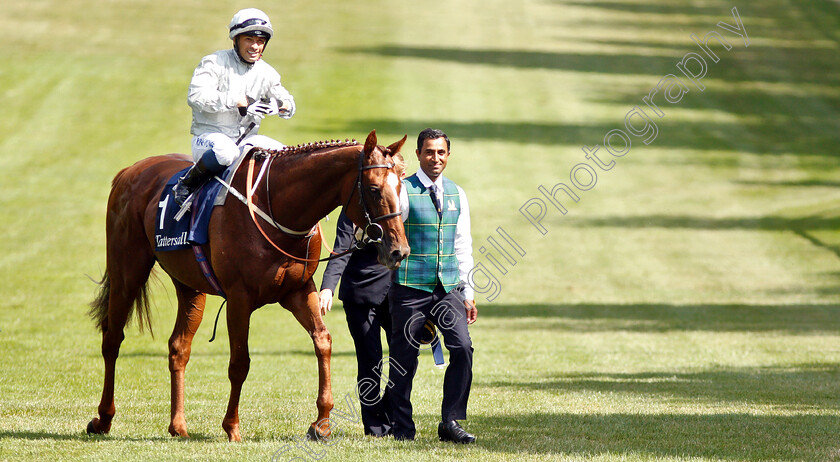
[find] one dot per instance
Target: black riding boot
(195, 177)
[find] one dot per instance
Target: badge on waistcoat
(450, 206)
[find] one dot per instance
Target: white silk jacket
(220, 81)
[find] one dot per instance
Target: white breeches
(224, 148)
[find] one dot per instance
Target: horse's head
(378, 212)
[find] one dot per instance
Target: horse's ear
(395, 148)
(370, 142)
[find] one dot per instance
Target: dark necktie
(435, 200)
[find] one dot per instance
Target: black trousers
(364, 322)
(410, 308)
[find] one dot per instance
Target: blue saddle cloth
(192, 228)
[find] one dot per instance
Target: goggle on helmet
(251, 21)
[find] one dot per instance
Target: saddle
(174, 234)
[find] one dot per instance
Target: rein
(371, 227)
(269, 219)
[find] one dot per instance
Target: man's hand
(286, 108)
(325, 301)
(472, 311)
(259, 109)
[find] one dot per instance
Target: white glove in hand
(259, 109)
(325, 299)
(287, 108)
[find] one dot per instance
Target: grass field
(686, 308)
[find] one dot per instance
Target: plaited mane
(306, 148)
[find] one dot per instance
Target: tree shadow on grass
(777, 17)
(761, 223)
(739, 64)
(253, 354)
(789, 122)
(712, 436)
(815, 110)
(82, 436)
(797, 387)
(797, 319)
(765, 138)
(801, 226)
(791, 183)
(36, 435)
(709, 8)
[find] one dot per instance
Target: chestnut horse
(301, 186)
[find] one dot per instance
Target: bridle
(373, 232)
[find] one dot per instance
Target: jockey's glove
(259, 109)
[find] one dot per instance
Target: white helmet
(250, 21)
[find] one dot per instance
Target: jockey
(230, 90)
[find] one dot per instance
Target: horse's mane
(306, 148)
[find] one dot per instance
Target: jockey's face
(433, 156)
(250, 48)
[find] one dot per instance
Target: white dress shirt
(463, 239)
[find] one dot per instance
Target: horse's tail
(99, 306)
(131, 294)
(141, 305)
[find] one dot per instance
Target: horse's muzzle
(392, 259)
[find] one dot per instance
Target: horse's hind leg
(124, 290)
(190, 313)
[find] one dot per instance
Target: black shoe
(192, 180)
(180, 192)
(452, 431)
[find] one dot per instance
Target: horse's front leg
(238, 322)
(304, 305)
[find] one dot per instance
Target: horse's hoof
(316, 434)
(182, 432)
(92, 430)
(233, 433)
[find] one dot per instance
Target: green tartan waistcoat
(432, 239)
